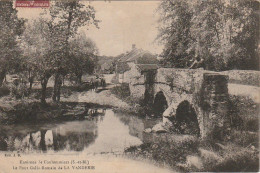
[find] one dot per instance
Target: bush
(244, 160)
(244, 138)
(114, 80)
(67, 91)
(4, 91)
(244, 77)
(243, 113)
(122, 91)
(19, 91)
(169, 151)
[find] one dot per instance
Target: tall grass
(122, 91)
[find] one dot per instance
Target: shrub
(244, 138)
(114, 80)
(243, 113)
(169, 151)
(67, 91)
(122, 91)
(20, 90)
(4, 91)
(243, 160)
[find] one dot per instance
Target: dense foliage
(10, 30)
(48, 46)
(214, 34)
(83, 54)
(67, 17)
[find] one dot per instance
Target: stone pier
(205, 93)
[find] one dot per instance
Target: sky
(123, 23)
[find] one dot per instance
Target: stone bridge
(176, 93)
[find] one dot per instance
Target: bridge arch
(205, 91)
(186, 118)
(160, 103)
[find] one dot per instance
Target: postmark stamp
(32, 3)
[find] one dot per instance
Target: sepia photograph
(129, 86)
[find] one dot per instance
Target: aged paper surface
(129, 86)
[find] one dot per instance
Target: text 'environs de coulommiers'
(86, 162)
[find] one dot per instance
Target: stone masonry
(206, 91)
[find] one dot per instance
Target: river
(101, 132)
(101, 138)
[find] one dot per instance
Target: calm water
(102, 132)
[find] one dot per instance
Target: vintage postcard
(135, 86)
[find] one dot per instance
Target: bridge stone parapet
(205, 92)
(181, 79)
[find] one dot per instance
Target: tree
(221, 34)
(175, 32)
(11, 28)
(83, 54)
(206, 29)
(37, 45)
(48, 38)
(67, 17)
(225, 34)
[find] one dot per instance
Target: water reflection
(137, 125)
(100, 131)
(69, 136)
(113, 136)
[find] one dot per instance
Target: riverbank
(13, 110)
(31, 110)
(104, 98)
(239, 152)
(191, 154)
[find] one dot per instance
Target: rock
(194, 161)
(167, 122)
(168, 112)
(252, 147)
(158, 128)
(148, 130)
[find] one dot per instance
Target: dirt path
(104, 97)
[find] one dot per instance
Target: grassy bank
(189, 154)
(137, 106)
(244, 114)
(29, 109)
(28, 112)
(33, 112)
(238, 152)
